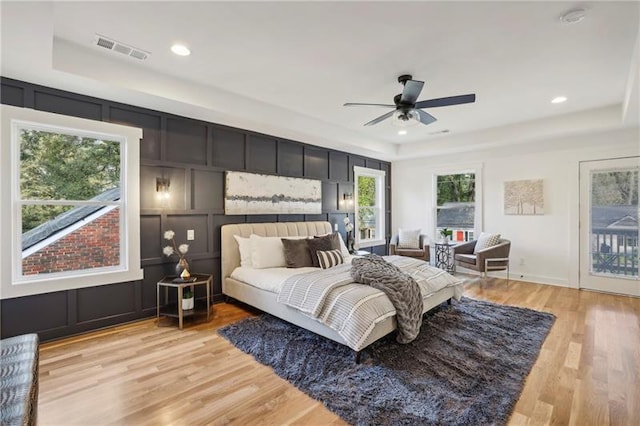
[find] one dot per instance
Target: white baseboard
(515, 276)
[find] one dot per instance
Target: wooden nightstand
(175, 309)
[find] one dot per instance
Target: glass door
(609, 213)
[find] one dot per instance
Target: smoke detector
(573, 16)
(115, 46)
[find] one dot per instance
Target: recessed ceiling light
(573, 16)
(181, 50)
(402, 132)
(558, 99)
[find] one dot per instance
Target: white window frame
(14, 284)
(380, 176)
(476, 169)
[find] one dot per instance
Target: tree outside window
(370, 206)
(615, 188)
(56, 166)
(367, 207)
(455, 210)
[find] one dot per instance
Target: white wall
(549, 243)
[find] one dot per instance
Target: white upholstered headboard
(230, 255)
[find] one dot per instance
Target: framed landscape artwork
(251, 193)
(524, 197)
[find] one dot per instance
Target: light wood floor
(588, 372)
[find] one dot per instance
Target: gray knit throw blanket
(400, 288)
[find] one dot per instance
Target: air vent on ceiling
(439, 132)
(116, 46)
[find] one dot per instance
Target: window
(370, 202)
(614, 221)
(69, 201)
(456, 204)
(74, 194)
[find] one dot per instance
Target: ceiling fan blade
(379, 119)
(350, 104)
(451, 100)
(411, 91)
(425, 117)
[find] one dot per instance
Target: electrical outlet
(522, 261)
(191, 235)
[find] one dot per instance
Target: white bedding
(332, 297)
(308, 293)
(265, 300)
(270, 279)
(350, 309)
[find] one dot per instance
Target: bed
(265, 297)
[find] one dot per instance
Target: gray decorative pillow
(486, 240)
(409, 238)
(296, 253)
(330, 258)
(322, 243)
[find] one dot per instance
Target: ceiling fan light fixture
(408, 110)
(405, 118)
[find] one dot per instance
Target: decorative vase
(187, 304)
(182, 266)
(350, 242)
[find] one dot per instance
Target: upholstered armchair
(421, 253)
(494, 258)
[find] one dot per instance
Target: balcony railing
(614, 251)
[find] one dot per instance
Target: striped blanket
(332, 297)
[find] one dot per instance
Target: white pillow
(267, 252)
(343, 248)
(409, 238)
(244, 245)
(486, 240)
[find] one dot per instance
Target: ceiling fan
(406, 108)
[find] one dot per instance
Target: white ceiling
(286, 68)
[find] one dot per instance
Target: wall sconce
(162, 187)
(347, 200)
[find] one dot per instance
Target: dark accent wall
(194, 155)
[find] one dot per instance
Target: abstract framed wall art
(524, 197)
(252, 193)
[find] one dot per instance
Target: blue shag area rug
(467, 366)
